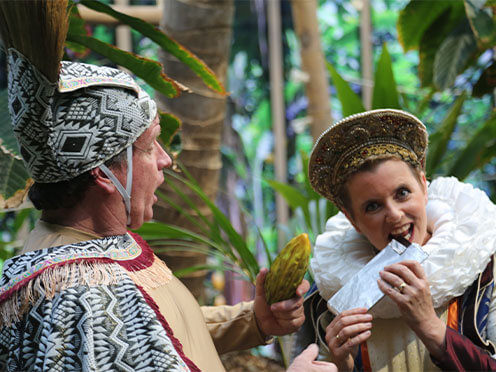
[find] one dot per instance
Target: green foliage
(350, 102)
(385, 91)
(440, 138)
(480, 149)
(452, 57)
(449, 35)
(148, 70)
(415, 19)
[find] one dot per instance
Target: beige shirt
(204, 331)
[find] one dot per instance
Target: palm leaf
(170, 125)
(481, 22)
(165, 42)
(150, 71)
(385, 90)
(350, 102)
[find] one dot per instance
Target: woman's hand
(406, 284)
(343, 335)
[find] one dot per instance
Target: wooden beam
(149, 13)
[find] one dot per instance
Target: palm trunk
(204, 27)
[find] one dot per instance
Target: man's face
(149, 160)
(387, 202)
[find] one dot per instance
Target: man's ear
(102, 181)
(350, 218)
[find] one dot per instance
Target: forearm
(460, 354)
(233, 327)
(432, 334)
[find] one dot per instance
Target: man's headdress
(68, 117)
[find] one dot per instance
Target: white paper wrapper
(362, 289)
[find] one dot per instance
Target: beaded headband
(346, 145)
(66, 129)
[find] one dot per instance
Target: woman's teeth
(404, 231)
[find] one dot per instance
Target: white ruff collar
(463, 222)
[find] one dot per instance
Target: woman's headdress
(346, 145)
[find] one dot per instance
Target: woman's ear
(102, 181)
(424, 186)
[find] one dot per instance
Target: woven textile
(66, 129)
(99, 322)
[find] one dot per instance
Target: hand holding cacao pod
(287, 270)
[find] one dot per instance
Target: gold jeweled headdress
(375, 134)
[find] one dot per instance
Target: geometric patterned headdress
(346, 145)
(66, 129)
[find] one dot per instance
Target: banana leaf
(478, 151)
(438, 140)
(453, 55)
(481, 22)
(417, 17)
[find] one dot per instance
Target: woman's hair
(369, 166)
(66, 194)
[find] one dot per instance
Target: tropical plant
(14, 178)
(216, 236)
(451, 37)
(441, 160)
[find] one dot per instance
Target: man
(85, 294)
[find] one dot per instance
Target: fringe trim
(54, 279)
(153, 276)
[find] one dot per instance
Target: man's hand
(305, 362)
(282, 317)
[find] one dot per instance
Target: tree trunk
(312, 59)
(204, 27)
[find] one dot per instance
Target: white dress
(463, 224)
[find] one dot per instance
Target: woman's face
(387, 202)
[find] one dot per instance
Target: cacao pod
(287, 270)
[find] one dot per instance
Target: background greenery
(410, 67)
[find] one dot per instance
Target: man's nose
(164, 160)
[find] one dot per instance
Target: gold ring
(401, 287)
(337, 337)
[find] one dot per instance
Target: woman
(371, 165)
